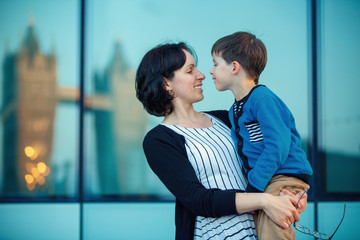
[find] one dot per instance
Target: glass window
(340, 125)
(121, 32)
(39, 93)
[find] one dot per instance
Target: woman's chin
(219, 88)
(200, 99)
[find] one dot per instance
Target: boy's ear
(236, 67)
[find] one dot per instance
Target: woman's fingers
(296, 215)
(284, 191)
(292, 196)
(284, 225)
(282, 211)
(302, 204)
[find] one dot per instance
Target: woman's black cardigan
(166, 154)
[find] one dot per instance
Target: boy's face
(221, 73)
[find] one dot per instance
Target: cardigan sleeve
(274, 119)
(166, 154)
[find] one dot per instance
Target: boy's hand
(302, 203)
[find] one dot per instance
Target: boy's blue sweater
(266, 139)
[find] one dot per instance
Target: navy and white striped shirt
(212, 154)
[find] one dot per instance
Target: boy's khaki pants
(267, 229)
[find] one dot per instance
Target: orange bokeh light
(29, 178)
(35, 172)
(30, 186)
(31, 152)
(41, 167)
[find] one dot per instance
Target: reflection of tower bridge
(95, 101)
(30, 96)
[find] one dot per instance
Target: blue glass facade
(71, 127)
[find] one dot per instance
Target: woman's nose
(202, 77)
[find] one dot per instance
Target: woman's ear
(168, 87)
(236, 67)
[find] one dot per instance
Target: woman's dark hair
(157, 64)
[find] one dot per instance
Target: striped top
(212, 154)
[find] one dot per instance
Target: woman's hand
(281, 209)
(302, 203)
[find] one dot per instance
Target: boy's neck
(243, 88)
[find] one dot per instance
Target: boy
(263, 128)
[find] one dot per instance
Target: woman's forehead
(189, 59)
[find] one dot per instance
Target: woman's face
(186, 85)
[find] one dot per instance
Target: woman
(193, 155)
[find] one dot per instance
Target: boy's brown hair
(244, 48)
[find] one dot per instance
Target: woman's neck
(187, 117)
